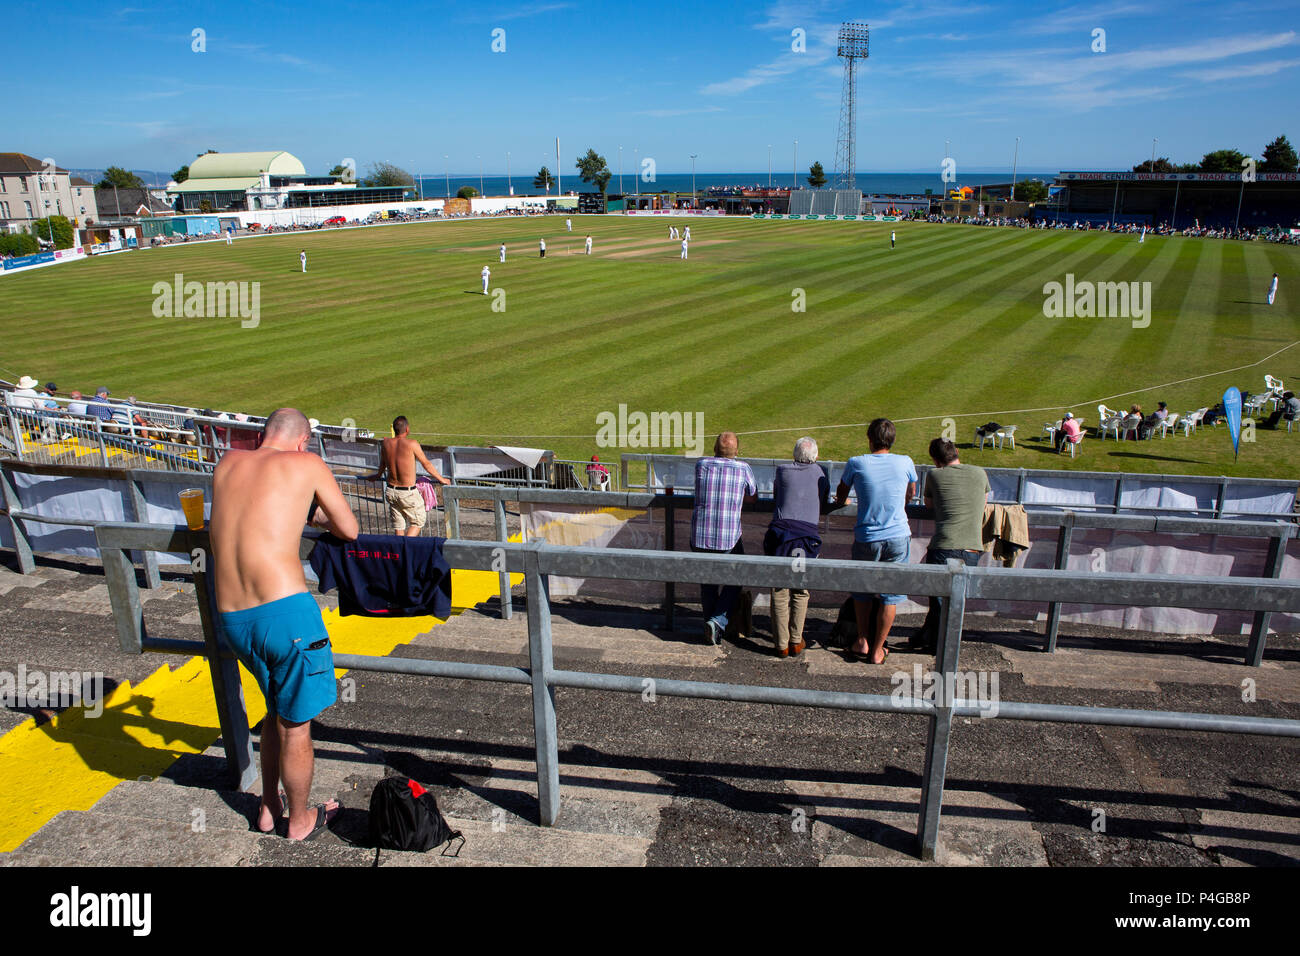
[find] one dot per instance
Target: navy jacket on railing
(786, 534)
(383, 575)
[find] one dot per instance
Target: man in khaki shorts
(397, 460)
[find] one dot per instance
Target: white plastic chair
(1169, 422)
(1110, 424)
(1072, 445)
(1131, 423)
(1002, 434)
(1192, 419)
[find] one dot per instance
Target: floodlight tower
(852, 47)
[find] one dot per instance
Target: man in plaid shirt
(722, 486)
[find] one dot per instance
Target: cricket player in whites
(302, 256)
(502, 252)
(1272, 289)
(589, 245)
(687, 237)
(568, 225)
(541, 243)
(684, 241)
(230, 235)
(892, 238)
(486, 274)
(672, 232)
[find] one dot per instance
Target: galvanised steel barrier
(1275, 533)
(955, 582)
(366, 498)
(1219, 488)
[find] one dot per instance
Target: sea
(910, 184)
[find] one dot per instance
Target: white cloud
(1240, 72)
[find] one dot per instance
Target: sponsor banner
(673, 212)
(22, 262)
(1183, 177)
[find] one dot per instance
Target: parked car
(335, 221)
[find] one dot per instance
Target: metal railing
(1274, 534)
(366, 498)
(1010, 485)
(955, 583)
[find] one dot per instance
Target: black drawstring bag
(404, 816)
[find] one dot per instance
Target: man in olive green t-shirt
(957, 494)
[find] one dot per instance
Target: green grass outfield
(389, 320)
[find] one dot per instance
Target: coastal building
(270, 180)
(1180, 200)
(32, 189)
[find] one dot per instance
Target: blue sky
(412, 83)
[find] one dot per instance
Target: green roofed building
(273, 179)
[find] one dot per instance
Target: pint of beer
(192, 505)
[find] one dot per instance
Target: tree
(1031, 190)
(1161, 165)
(466, 192)
(18, 244)
(543, 179)
(1223, 161)
(205, 205)
(1279, 157)
(386, 174)
(1187, 168)
(594, 170)
(63, 235)
(817, 176)
(121, 178)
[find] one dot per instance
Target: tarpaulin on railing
(1095, 550)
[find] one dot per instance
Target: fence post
(451, 515)
(670, 544)
(103, 448)
(124, 594)
(541, 664)
(507, 602)
(16, 431)
(22, 547)
(232, 715)
(139, 512)
(1223, 494)
(936, 745)
(1272, 569)
(1062, 561)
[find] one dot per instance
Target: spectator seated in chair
(1068, 431)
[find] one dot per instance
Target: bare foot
(884, 652)
(269, 812)
(304, 828)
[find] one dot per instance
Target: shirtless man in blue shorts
(260, 502)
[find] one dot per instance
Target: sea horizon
(437, 186)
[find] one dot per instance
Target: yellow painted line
(70, 762)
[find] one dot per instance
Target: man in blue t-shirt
(884, 483)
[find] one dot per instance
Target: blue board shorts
(285, 646)
(895, 550)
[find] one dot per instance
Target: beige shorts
(405, 507)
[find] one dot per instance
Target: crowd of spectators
(1279, 234)
(883, 483)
